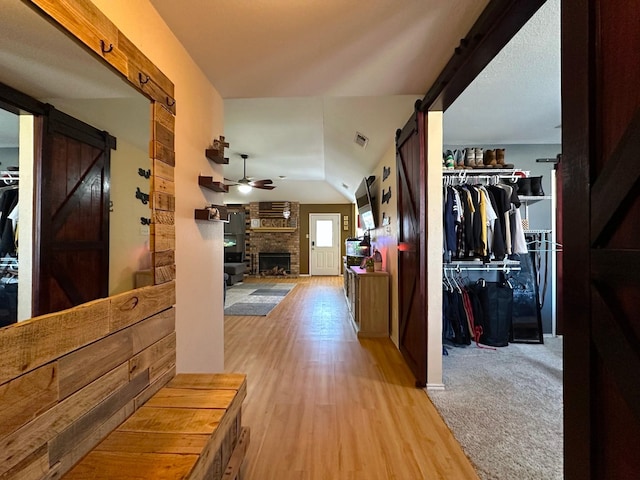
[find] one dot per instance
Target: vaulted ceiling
(301, 79)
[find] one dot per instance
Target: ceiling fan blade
(266, 181)
(264, 187)
(228, 181)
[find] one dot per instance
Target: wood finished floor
(322, 404)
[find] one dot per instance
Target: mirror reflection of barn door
(72, 217)
(324, 243)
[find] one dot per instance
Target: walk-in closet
(501, 257)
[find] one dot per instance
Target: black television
(366, 204)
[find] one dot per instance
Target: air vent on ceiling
(361, 140)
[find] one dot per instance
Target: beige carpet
(505, 408)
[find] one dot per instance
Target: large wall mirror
(40, 61)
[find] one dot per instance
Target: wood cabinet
(367, 295)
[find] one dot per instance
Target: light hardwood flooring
(322, 404)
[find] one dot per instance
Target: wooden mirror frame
(91, 28)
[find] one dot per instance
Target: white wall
(9, 156)
(385, 238)
(199, 308)
(433, 140)
(25, 217)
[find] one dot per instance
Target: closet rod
(496, 266)
(466, 175)
(9, 177)
(486, 268)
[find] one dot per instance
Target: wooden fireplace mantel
(274, 229)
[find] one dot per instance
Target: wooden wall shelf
(209, 183)
(216, 157)
(205, 214)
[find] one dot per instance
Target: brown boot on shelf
(489, 159)
(479, 158)
(500, 157)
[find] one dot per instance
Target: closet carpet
(505, 408)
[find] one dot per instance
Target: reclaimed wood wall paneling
(78, 362)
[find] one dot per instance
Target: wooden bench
(190, 429)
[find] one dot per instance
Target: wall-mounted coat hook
(104, 48)
(143, 197)
(145, 221)
(144, 173)
(386, 196)
(143, 78)
(386, 171)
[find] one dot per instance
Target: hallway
(323, 405)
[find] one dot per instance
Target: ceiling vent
(361, 140)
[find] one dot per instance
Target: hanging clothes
(8, 210)
(8, 255)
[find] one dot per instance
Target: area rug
(255, 299)
(505, 408)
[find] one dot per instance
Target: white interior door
(324, 243)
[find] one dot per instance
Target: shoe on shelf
(469, 157)
(489, 158)
(524, 186)
(458, 158)
(499, 157)
(448, 160)
(536, 186)
(479, 158)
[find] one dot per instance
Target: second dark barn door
(601, 215)
(73, 233)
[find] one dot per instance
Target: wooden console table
(367, 295)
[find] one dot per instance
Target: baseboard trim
(435, 386)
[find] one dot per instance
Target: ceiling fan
(245, 185)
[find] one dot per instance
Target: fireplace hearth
(277, 263)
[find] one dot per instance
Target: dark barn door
(73, 235)
(601, 172)
(411, 246)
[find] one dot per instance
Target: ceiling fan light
(244, 188)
